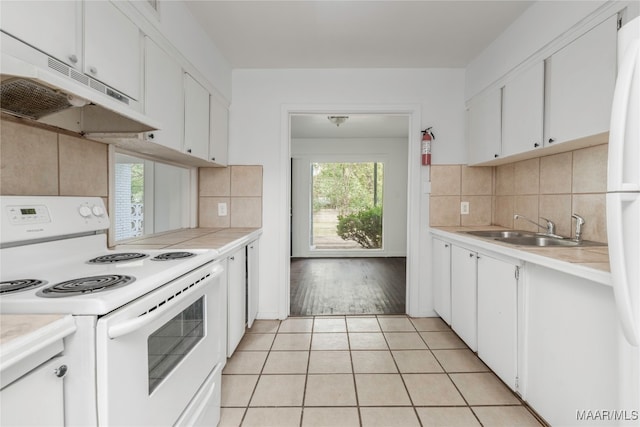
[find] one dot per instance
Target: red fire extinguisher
(427, 137)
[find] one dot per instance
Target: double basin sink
(528, 238)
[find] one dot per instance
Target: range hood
(38, 87)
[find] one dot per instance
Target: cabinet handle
(93, 70)
(551, 140)
(188, 150)
(496, 156)
(151, 136)
(478, 257)
(61, 371)
(73, 59)
(213, 159)
(446, 246)
(536, 145)
(232, 258)
(470, 255)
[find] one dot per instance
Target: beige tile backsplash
(240, 187)
(552, 186)
(42, 162)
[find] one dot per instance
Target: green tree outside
(355, 191)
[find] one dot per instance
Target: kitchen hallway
(362, 371)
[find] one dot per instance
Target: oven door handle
(132, 325)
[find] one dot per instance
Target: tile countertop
(224, 240)
(589, 262)
(27, 340)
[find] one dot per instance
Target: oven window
(172, 342)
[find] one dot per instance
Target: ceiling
(353, 33)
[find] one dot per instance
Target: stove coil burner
(168, 256)
(86, 285)
(118, 257)
(10, 286)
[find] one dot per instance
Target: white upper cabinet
(523, 111)
(164, 95)
(196, 118)
(580, 79)
(484, 122)
(219, 143)
(113, 53)
(51, 26)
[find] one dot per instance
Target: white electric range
(148, 344)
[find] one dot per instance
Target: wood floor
(332, 286)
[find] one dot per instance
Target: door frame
(414, 113)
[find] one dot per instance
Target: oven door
(156, 352)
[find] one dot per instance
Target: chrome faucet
(579, 224)
(550, 227)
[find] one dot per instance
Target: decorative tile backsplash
(239, 187)
(553, 187)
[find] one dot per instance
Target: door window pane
(347, 205)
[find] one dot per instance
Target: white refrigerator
(623, 209)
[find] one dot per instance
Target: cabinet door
(164, 95)
(41, 389)
(51, 26)
(484, 128)
(441, 278)
(463, 295)
(576, 355)
(523, 111)
(253, 282)
(498, 317)
(237, 299)
(112, 47)
(219, 142)
(196, 118)
(580, 83)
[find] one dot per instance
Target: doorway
(349, 214)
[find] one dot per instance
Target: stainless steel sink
(529, 238)
(501, 233)
(543, 241)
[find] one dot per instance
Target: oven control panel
(28, 214)
(26, 218)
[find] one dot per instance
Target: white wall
(260, 98)
(392, 152)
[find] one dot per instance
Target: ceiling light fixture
(337, 120)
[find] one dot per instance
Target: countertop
(589, 262)
(223, 240)
(27, 340)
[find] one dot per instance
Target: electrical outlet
(222, 209)
(464, 208)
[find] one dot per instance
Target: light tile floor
(362, 371)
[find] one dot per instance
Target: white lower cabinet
(498, 317)
(464, 295)
(253, 282)
(483, 304)
(441, 278)
(574, 359)
(37, 398)
(236, 298)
